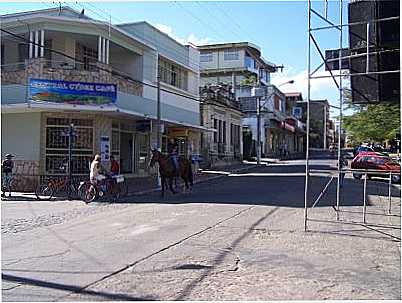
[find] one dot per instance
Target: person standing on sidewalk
(7, 169)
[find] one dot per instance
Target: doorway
(126, 152)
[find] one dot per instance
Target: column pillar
(103, 50)
(107, 51)
(31, 39)
(100, 49)
(36, 44)
(42, 43)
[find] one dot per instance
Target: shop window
(57, 141)
(143, 151)
(116, 143)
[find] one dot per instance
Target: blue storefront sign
(83, 93)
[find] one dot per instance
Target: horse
(168, 173)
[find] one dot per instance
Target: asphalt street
(238, 237)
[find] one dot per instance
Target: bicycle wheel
(87, 192)
(44, 191)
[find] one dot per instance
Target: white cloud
(192, 38)
(323, 88)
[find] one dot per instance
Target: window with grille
(57, 142)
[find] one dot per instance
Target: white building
(49, 56)
(231, 63)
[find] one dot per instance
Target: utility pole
(325, 126)
(258, 124)
(158, 113)
(158, 123)
(258, 131)
(71, 135)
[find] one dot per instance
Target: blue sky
(278, 27)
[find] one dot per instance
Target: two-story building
(221, 113)
(60, 67)
(280, 129)
(319, 122)
(231, 64)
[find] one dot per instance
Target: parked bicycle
(51, 186)
(110, 186)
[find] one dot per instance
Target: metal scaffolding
(340, 172)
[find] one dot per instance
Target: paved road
(238, 237)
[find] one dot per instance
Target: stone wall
(102, 73)
(25, 175)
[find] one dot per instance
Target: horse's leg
(190, 175)
(163, 185)
(171, 185)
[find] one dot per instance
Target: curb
(140, 193)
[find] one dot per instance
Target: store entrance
(126, 153)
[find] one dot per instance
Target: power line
(230, 18)
(170, 49)
(198, 19)
(215, 18)
(115, 71)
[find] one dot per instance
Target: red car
(375, 161)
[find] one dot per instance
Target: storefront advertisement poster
(105, 148)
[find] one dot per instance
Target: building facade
(221, 114)
(320, 124)
(65, 68)
(232, 63)
(280, 130)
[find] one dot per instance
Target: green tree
(374, 122)
(249, 81)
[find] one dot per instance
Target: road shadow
(72, 288)
(282, 190)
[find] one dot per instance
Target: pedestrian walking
(7, 169)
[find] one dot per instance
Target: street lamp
(259, 107)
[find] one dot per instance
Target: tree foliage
(374, 122)
(249, 81)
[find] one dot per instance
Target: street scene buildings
(200, 151)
